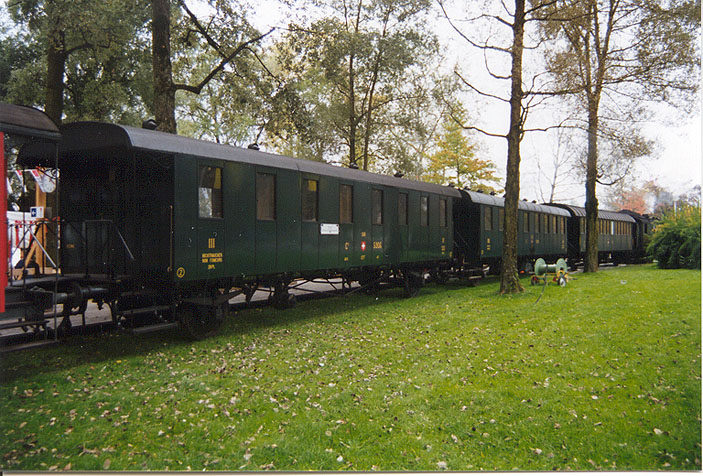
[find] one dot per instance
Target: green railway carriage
(194, 216)
(616, 235)
(479, 222)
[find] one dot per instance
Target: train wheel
(281, 298)
(440, 277)
(200, 322)
(369, 283)
(412, 282)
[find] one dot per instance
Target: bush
(677, 239)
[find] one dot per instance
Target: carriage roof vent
(398, 174)
(534, 201)
(253, 146)
(149, 124)
(353, 165)
(493, 194)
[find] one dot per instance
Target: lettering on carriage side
(363, 234)
(378, 245)
(211, 243)
(211, 258)
(346, 246)
(181, 272)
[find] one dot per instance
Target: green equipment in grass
(558, 271)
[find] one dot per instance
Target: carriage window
(442, 212)
(563, 225)
(545, 223)
(536, 222)
(265, 196)
(501, 217)
(345, 204)
(424, 211)
(310, 200)
(525, 222)
(554, 225)
(488, 218)
(210, 192)
(402, 208)
(377, 207)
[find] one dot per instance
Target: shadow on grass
(106, 347)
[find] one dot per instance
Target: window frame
(305, 195)
(342, 217)
(377, 206)
(216, 196)
(487, 218)
(259, 190)
(443, 222)
(403, 199)
(424, 210)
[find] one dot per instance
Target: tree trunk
(591, 259)
(509, 277)
(164, 92)
(352, 113)
(56, 67)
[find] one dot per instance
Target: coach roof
(95, 136)
(606, 215)
(485, 199)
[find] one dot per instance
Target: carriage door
(211, 218)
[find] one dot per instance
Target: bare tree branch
(198, 88)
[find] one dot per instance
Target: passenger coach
(145, 209)
(479, 219)
(616, 232)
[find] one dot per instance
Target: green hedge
(677, 239)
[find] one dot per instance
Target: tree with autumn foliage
(629, 197)
(456, 162)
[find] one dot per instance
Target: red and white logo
(363, 246)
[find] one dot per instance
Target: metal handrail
(124, 243)
(46, 255)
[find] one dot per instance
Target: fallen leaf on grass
(657, 431)
(106, 464)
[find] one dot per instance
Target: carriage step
(27, 345)
(154, 328)
(143, 310)
(16, 324)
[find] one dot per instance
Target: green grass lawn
(602, 374)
